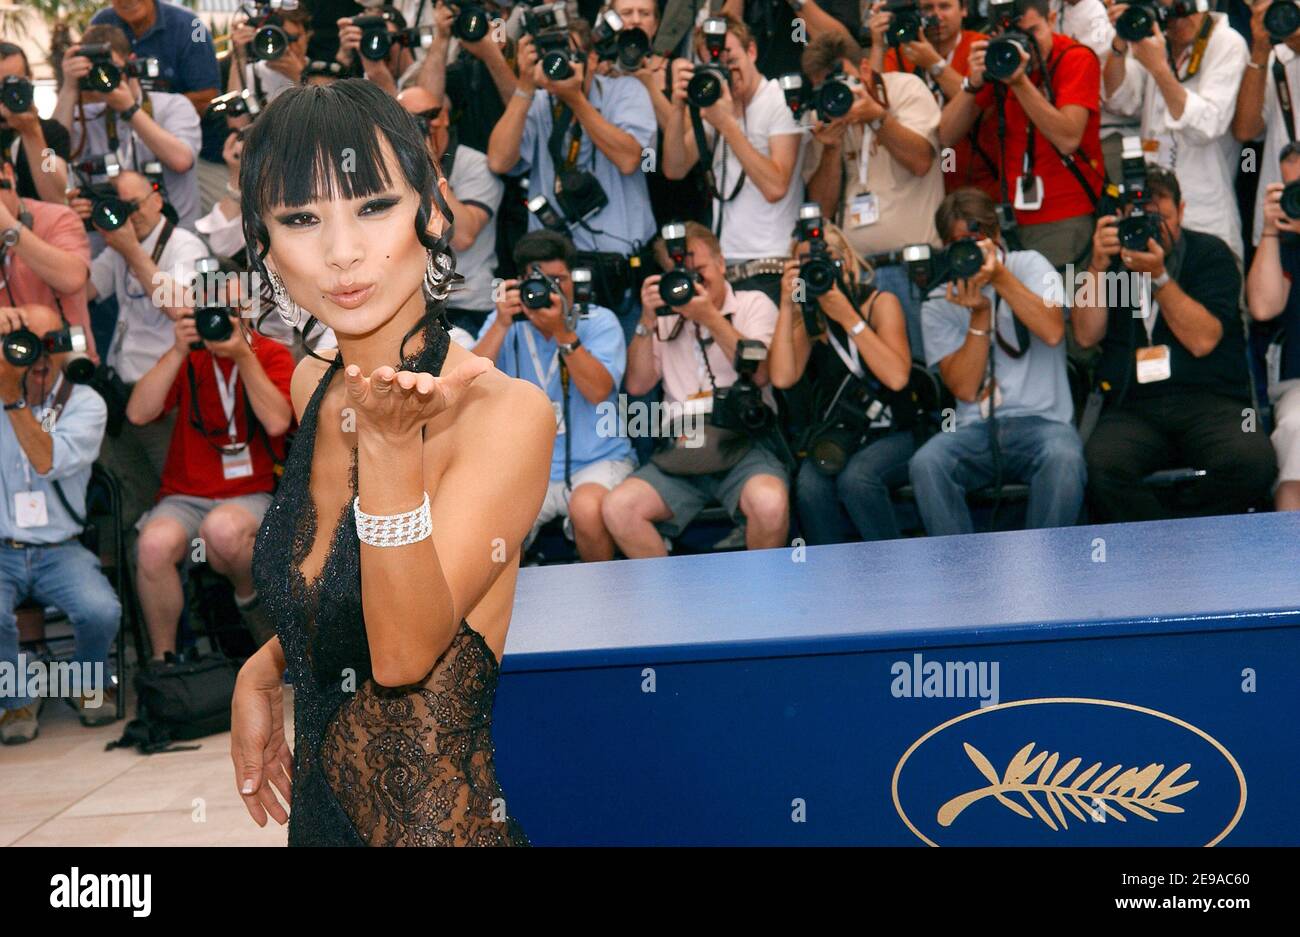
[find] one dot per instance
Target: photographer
(268, 78)
(474, 75)
(692, 350)
(1266, 101)
(940, 56)
(231, 397)
(398, 65)
(1186, 108)
(23, 132)
(44, 253)
(1270, 293)
(473, 194)
(584, 358)
(1000, 348)
(1172, 367)
(133, 125)
(605, 126)
(142, 265)
(878, 171)
(1047, 113)
(752, 151)
(782, 27)
(856, 363)
(49, 435)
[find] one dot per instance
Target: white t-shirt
(1275, 137)
(751, 225)
(473, 182)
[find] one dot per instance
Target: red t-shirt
(1076, 79)
(967, 167)
(193, 466)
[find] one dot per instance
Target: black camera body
(548, 24)
(1004, 55)
(614, 42)
(234, 104)
(545, 213)
(705, 86)
(1290, 202)
(376, 40)
(212, 311)
(740, 406)
(580, 194)
(23, 348)
(1130, 194)
(16, 93)
(104, 75)
(1282, 20)
(960, 260)
(845, 426)
(1139, 20)
(820, 271)
(677, 286)
(908, 24)
(535, 289)
(833, 98)
(270, 41)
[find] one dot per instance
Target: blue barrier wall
(778, 697)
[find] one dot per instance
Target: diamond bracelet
(393, 530)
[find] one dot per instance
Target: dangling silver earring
(289, 311)
(437, 276)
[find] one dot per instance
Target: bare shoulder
(306, 375)
(502, 413)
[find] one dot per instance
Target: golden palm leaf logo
(1136, 790)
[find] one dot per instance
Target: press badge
(1029, 193)
(559, 417)
(864, 210)
(29, 509)
(1153, 364)
(237, 465)
(997, 400)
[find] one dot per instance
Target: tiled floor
(65, 789)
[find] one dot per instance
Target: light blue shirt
(1034, 384)
(602, 336)
(625, 103)
(77, 434)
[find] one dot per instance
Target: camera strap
(562, 119)
(568, 436)
(110, 126)
(705, 154)
(1284, 97)
(1198, 50)
(196, 416)
(61, 395)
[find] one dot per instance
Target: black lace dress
(373, 765)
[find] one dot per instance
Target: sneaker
(100, 715)
(19, 725)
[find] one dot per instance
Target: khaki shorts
(688, 495)
(190, 510)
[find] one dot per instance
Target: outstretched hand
(398, 403)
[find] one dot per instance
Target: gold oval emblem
(1064, 786)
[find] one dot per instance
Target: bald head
(417, 100)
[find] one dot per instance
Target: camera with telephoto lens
(580, 194)
(471, 23)
(16, 93)
(834, 97)
(1140, 19)
(820, 271)
(23, 348)
(1138, 226)
(270, 41)
(377, 41)
(613, 42)
(548, 24)
(844, 429)
(1290, 201)
(234, 104)
(212, 310)
(677, 286)
(740, 406)
(705, 86)
(1281, 20)
(907, 24)
(960, 260)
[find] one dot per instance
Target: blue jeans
(69, 577)
(893, 279)
(855, 505)
(1044, 454)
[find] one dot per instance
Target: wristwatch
(9, 237)
(858, 329)
(19, 404)
(127, 114)
(1158, 282)
(970, 88)
(641, 330)
(937, 68)
(568, 348)
(876, 124)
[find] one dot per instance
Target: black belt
(20, 545)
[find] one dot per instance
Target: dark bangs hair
(319, 143)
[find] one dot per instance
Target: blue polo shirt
(186, 58)
(602, 335)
